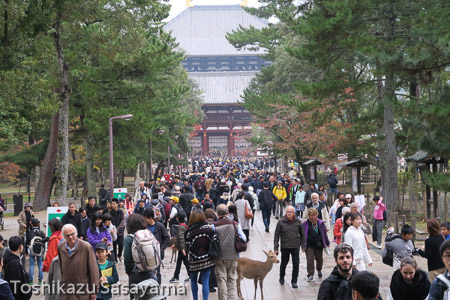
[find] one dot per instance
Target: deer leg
(238, 285)
(261, 287)
(256, 287)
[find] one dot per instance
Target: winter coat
(291, 233)
(110, 272)
(197, 245)
(336, 287)
(79, 269)
(415, 290)
(438, 288)
(75, 220)
(52, 250)
(240, 205)
(118, 219)
(431, 253)
(86, 224)
(180, 243)
(5, 290)
(22, 220)
(399, 246)
(96, 237)
(91, 210)
(323, 214)
(54, 275)
(338, 230)
(355, 237)
(266, 198)
(322, 232)
(280, 193)
(14, 271)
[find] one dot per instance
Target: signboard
(55, 213)
(120, 193)
(354, 180)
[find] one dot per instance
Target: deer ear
(265, 252)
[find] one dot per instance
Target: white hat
(348, 196)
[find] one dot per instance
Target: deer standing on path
(256, 270)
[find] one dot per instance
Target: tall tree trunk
(391, 184)
(90, 172)
(381, 143)
(62, 162)
(44, 186)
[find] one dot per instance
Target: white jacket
(356, 238)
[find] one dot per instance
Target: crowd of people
(206, 218)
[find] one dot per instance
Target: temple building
(221, 71)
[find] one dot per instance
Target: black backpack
(37, 243)
(388, 258)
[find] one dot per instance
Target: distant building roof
(201, 30)
(222, 87)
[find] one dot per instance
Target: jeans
(118, 242)
(39, 264)
(377, 231)
(285, 253)
(204, 277)
(180, 259)
(266, 216)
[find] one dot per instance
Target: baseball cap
(101, 246)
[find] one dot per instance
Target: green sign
(55, 213)
(120, 193)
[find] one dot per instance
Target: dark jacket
(5, 291)
(416, 290)
(185, 201)
(322, 232)
(86, 224)
(438, 288)
(90, 211)
(197, 238)
(336, 287)
(292, 234)
(106, 292)
(14, 271)
(76, 221)
(431, 253)
(266, 198)
(162, 236)
(118, 220)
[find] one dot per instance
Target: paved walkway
(260, 240)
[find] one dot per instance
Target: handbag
(214, 248)
(239, 244)
(248, 213)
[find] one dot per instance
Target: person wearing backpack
(400, 245)
(15, 273)
(36, 249)
(158, 210)
(199, 187)
(174, 208)
(160, 233)
(133, 266)
(440, 288)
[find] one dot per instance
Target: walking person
(36, 250)
(431, 251)
(180, 246)
(299, 201)
(401, 244)
(357, 240)
(321, 210)
(339, 225)
(118, 220)
(316, 241)
(52, 247)
(73, 217)
(98, 233)
(108, 272)
(198, 236)
(242, 205)
(225, 266)
(377, 230)
(14, 271)
(80, 266)
(292, 235)
(281, 194)
(266, 198)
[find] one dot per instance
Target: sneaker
(267, 229)
(320, 274)
(40, 283)
(187, 279)
(120, 259)
(31, 283)
(212, 290)
(281, 281)
(379, 247)
(294, 285)
(310, 278)
(174, 280)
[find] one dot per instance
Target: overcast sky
(179, 5)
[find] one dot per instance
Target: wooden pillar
(435, 193)
(205, 146)
(358, 179)
(231, 147)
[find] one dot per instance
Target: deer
(256, 270)
(174, 250)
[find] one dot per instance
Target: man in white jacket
(355, 237)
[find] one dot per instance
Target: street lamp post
(111, 153)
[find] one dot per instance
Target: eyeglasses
(290, 212)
